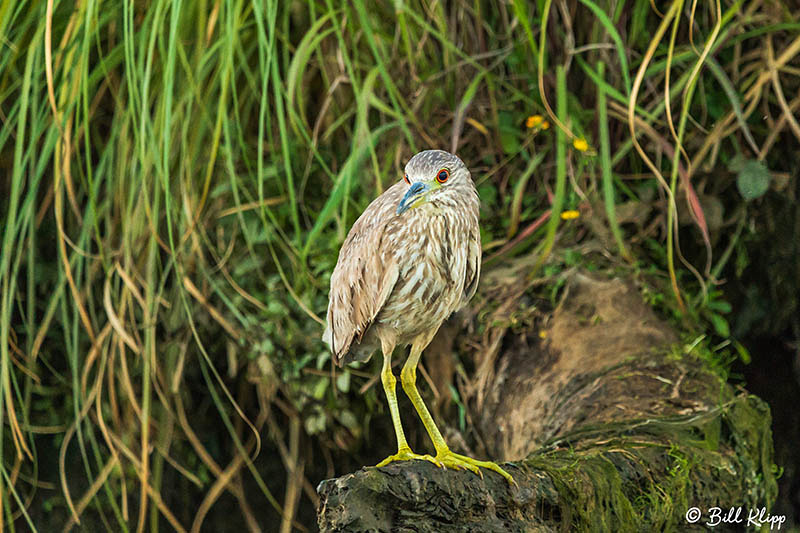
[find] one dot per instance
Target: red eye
(442, 176)
(405, 177)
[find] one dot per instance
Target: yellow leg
(444, 456)
(404, 452)
(389, 383)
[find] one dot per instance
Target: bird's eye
(405, 177)
(442, 176)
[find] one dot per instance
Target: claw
(405, 454)
(456, 461)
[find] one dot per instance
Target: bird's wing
(363, 278)
(473, 265)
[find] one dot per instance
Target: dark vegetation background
(176, 179)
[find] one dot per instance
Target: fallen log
(610, 423)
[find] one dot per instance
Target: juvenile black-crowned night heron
(410, 260)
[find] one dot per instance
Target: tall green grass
(178, 177)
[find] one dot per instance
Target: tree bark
(610, 423)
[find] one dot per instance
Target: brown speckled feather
(399, 276)
(363, 277)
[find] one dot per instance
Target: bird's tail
(329, 338)
(346, 350)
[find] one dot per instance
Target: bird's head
(432, 175)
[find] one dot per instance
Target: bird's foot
(405, 454)
(456, 461)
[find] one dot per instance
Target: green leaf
(343, 381)
(753, 180)
(744, 353)
(315, 423)
(720, 306)
(509, 134)
(319, 388)
(720, 325)
(349, 420)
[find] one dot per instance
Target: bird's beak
(415, 196)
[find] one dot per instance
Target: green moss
(644, 475)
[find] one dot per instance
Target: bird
(409, 261)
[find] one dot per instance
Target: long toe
(458, 461)
(405, 454)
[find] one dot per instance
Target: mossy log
(615, 426)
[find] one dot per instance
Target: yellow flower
(571, 214)
(580, 144)
(536, 121)
(545, 125)
(543, 334)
